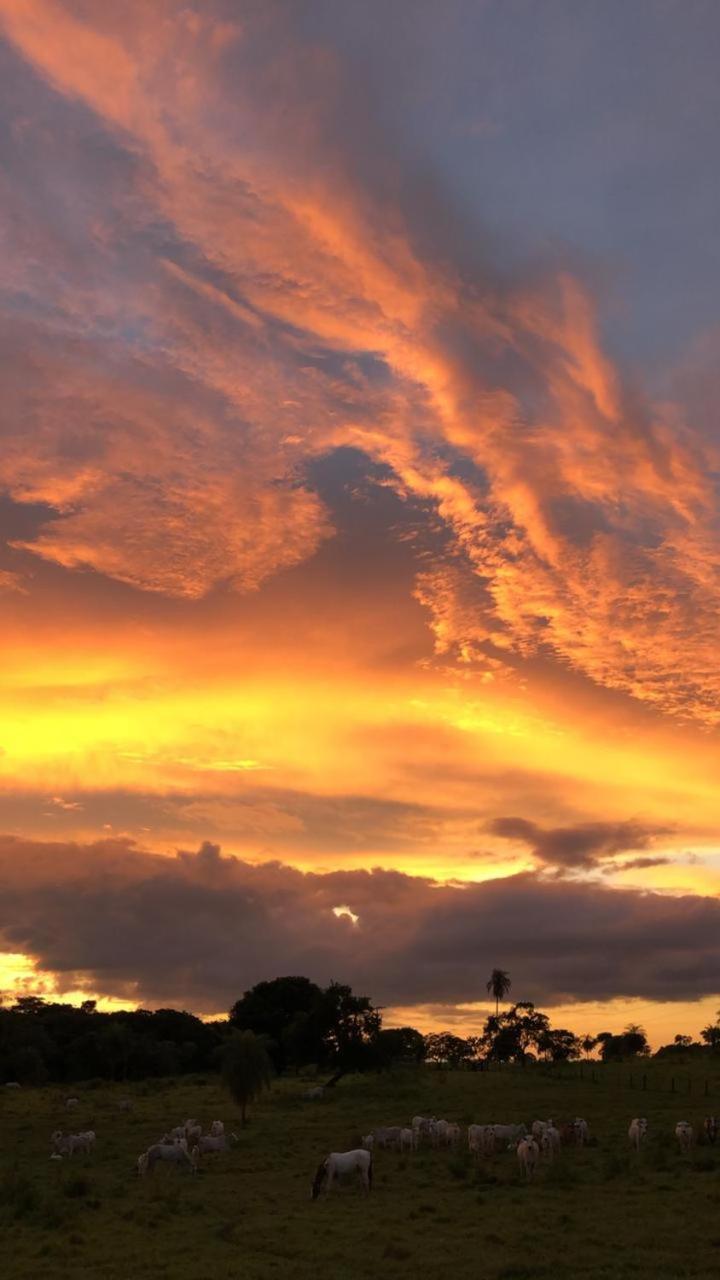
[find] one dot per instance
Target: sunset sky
(359, 522)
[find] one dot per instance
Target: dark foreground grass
(600, 1213)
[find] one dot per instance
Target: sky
(359, 537)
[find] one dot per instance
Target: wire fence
(678, 1082)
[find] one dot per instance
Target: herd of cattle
(544, 1139)
(185, 1145)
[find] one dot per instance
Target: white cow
(528, 1154)
(12, 1084)
(314, 1095)
(216, 1128)
(164, 1153)
(550, 1142)
(582, 1131)
(66, 1144)
(538, 1128)
(476, 1133)
(339, 1164)
(684, 1134)
(368, 1142)
(387, 1136)
(440, 1133)
(71, 1104)
(637, 1132)
(407, 1139)
(213, 1143)
(423, 1127)
(507, 1134)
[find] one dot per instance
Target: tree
(629, 1044)
(498, 986)
(282, 1010)
(399, 1044)
(558, 1045)
(511, 1036)
(711, 1033)
(587, 1044)
(246, 1069)
(446, 1049)
(348, 1026)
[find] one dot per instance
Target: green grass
(599, 1213)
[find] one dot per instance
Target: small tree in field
(246, 1069)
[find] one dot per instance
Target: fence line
(618, 1075)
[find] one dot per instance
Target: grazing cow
(71, 1104)
(453, 1134)
(440, 1134)
(193, 1133)
(538, 1128)
(407, 1139)
(164, 1153)
(368, 1142)
(314, 1095)
(528, 1154)
(476, 1133)
(213, 1142)
(12, 1084)
(481, 1139)
(216, 1128)
(66, 1144)
(710, 1129)
(506, 1134)
(637, 1132)
(582, 1132)
(387, 1136)
(423, 1127)
(339, 1164)
(684, 1135)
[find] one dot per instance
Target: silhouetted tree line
(298, 1024)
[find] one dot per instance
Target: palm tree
(498, 985)
(587, 1044)
(246, 1068)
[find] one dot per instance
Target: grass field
(599, 1212)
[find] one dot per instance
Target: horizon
(359, 520)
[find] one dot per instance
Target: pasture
(600, 1212)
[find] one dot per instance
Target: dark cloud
(582, 847)
(198, 928)
(635, 864)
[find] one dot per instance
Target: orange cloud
(591, 521)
